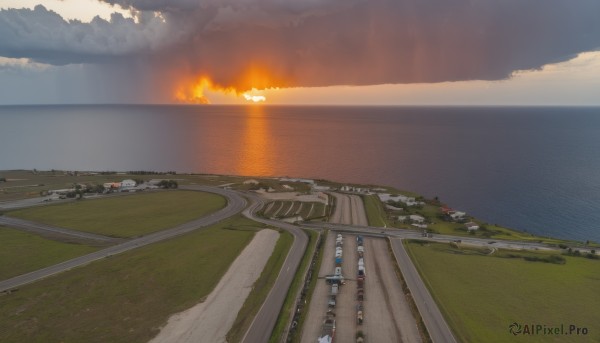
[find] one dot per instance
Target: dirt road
(211, 320)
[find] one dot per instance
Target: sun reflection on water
(256, 150)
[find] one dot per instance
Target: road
(387, 313)
(349, 209)
(318, 302)
(235, 204)
(40, 228)
(262, 326)
(432, 317)
(413, 234)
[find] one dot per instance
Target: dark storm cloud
(259, 43)
(44, 36)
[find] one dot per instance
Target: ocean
(531, 168)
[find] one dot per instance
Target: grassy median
(127, 297)
(481, 295)
(375, 212)
(24, 252)
(126, 216)
(290, 301)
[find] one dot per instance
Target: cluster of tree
(434, 202)
(591, 255)
(555, 259)
(94, 189)
(2, 179)
(259, 186)
(147, 172)
(168, 184)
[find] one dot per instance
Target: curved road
(264, 321)
(235, 204)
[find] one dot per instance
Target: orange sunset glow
(249, 86)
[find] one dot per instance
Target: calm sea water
(535, 169)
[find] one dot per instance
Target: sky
(348, 52)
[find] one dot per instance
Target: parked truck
(334, 289)
(360, 284)
(327, 329)
(359, 314)
(331, 279)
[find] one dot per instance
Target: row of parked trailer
(360, 286)
(335, 280)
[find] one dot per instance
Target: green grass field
(127, 216)
(375, 213)
(261, 288)
(23, 252)
(482, 295)
(127, 297)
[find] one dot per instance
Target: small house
(471, 226)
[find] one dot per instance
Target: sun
(254, 98)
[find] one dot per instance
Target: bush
(168, 184)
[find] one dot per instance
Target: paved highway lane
(30, 226)
(438, 329)
(235, 204)
(262, 326)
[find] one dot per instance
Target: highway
(30, 226)
(413, 234)
(432, 317)
(262, 326)
(235, 204)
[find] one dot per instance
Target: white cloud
(82, 10)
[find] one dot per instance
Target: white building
(415, 218)
(457, 215)
(128, 183)
(409, 201)
(472, 226)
